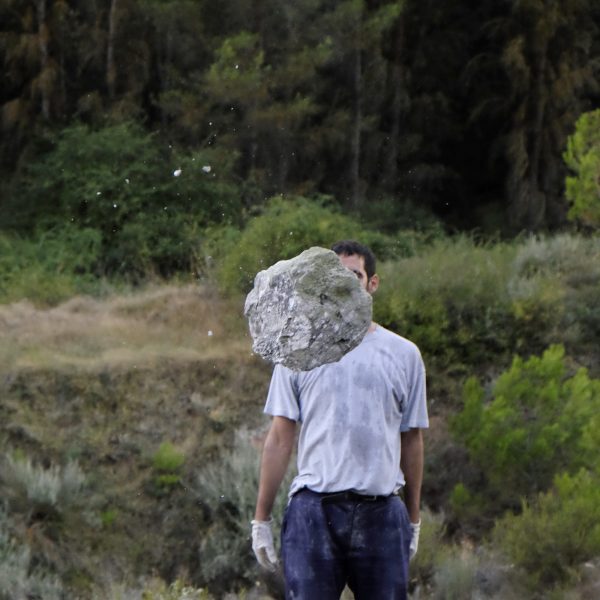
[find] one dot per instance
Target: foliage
(552, 286)
(455, 577)
(533, 68)
(288, 226)
(450, 299)
(144, 202)
(167, 462)
(582, 156)
(470, 305)
(454, 106)
(555, 532)
(40, 493)
(154, 589)
(175, 591)
(536, 424)
(227, 488)
(52, 266)
(19, 577)
(431, 545)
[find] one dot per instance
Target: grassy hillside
(130, 428)
(106, 383)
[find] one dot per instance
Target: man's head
(360, 260)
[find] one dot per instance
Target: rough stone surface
(307, 311)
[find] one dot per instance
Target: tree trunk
(536, 216)
(44, 58)
(397, 86)
(111, 68)
(355, 193)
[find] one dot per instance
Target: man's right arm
(276, 454)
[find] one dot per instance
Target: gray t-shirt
(352, 413)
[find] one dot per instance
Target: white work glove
(415, 529)
(262, 544)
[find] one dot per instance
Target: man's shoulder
(396, 341)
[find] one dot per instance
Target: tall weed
(455, 578)
(40, 493)
(423, 565)
(19, 578)
(154, 589)
(227, 488)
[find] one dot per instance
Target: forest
(156, 154)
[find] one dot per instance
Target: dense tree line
(462, 107)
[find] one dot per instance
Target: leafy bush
(19, 578)
(554, 284)
(145, 200)
(53, 265)
(285, 228)
(556, 532)
(471, 306)
(451, 300)
(537, 423)
(583, 158)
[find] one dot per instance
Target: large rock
(307, 311)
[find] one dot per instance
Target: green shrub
(536, 423)
(583, 158)
(108, 517)
(288, 226)
(467, 507)
(167, 462)
(556, 532)
(471, 306)
(451, 300)
(49, 267)
(553, 289)
(145, 199)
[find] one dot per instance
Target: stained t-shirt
(352, 412)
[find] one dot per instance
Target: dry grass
(168, 322)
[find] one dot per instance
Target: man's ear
(373, 284)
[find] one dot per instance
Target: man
(360, 443)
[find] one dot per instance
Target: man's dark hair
(349, 247)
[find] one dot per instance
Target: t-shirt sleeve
(415, 413)
(282, 399)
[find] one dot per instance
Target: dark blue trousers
(328, 544)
